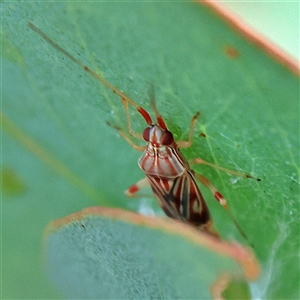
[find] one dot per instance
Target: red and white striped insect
(167, 171)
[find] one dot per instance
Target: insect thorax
(163, 162)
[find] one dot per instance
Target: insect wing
(180, 198)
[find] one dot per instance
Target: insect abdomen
(180, 198)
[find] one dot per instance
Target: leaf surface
(59, 154)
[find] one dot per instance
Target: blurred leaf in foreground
(102, 253)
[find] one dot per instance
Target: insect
(169, 174)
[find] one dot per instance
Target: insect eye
(146, 134)
(167, 138)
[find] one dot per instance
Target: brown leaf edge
(252, 35)
(244, 256)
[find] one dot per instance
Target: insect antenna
(160, 120)
(123, 96)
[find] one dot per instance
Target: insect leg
(219, 197)
(125, 137)
(186, 144)
(131, 132)
(203, 162)
(212, 188)
(130, 192)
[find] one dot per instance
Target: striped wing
(180, 198)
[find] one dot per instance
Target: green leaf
(102, 253)
(59, 154)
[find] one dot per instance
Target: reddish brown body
(171, 178)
